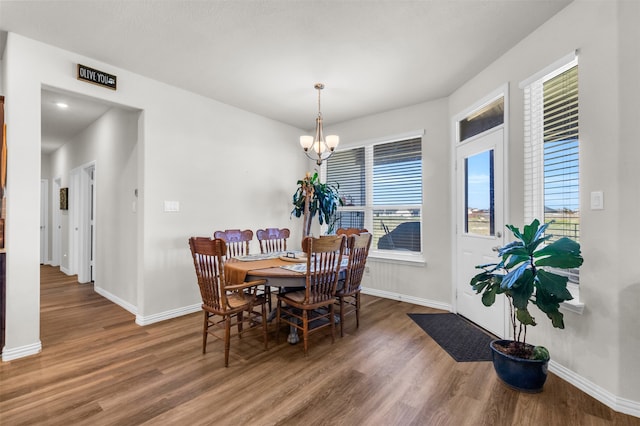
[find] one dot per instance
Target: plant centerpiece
(524, 277)
(316, 198)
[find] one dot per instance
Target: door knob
(496, 248)
(499, 234)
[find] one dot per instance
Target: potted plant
(524, 277)
(315, 198)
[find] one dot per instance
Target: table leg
(293, 337)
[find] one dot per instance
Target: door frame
(44, 222)
(503, 90)
(56, 232)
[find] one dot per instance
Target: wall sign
(94, 76)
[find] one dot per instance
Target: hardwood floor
(98, 367)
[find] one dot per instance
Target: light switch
(171, 206)
(597, 200)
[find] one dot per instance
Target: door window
(479, 194)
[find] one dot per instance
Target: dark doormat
(464, 341)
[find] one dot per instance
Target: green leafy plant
(316, 198)
(522, 275)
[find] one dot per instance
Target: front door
(479, 223)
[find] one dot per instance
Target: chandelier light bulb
(333, 141)
(306, 142)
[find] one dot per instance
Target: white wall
(216, 160)
(1, 79)
(592, 345)
(628, 160)
(428, 284)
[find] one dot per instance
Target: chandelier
(317, 147)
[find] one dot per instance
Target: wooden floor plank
(99, 368)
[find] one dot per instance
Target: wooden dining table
(239, 270)
(250, 268)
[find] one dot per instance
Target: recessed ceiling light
(62, 105)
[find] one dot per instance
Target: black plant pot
(526, 375)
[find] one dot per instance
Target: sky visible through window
(478, 181)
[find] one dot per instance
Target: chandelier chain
(319, 87)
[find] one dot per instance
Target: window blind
(347, 168)
(397, 173)
(561, 151)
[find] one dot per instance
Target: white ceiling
(60, 125)
(265, 56)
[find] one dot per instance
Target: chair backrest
(272, 239)
(237, 241)
(208, 260)
(358, 249)
(350, 231)
(324, 255)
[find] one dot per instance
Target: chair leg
(267, 295)
(341, 299)
(332, 320)
(227, 339)
(240, 322)
(278, 321)
(305, 330)
(205, 332)
(264, 325)
(357, 309)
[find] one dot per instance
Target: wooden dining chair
(315, 304)
(225, 305)
(272, 239)
(348, 293)
(350, 231)
(237, 241)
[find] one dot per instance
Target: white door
(479, 223)
(82, 207)
(91, 219)
(44, 202)
(56, 242)
(74, 221)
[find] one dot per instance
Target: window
(381, 186)
(487, 117)
(552, 172)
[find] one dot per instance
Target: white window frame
(368, 207)
(533, 165)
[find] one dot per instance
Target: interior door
(479, 223)
(44, 184)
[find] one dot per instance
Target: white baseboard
(21, 352)
(409, 299)
(65, 270)
(614, 402)
(628, 406)
(174, 313)
(115, 299)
